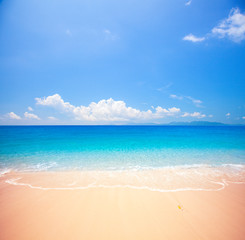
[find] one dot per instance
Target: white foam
(185, 178)
(93, 185)
(4, 171)
(40, 167)
(235, 166)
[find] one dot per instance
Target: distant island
(197, 123)
(191, 123)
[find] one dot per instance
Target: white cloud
(110, 110)
(31, 116)
(243, 117)
(193, 38)
(195, 114)
(175, 97)
(109, 35)
(55, 101)
(196, 102)
(68, 32)
(188, 3)
(232, 27)
(161, 112)
(227, 114)
(12, 115)
(164, 87)
(30, 109)
(107, 31)
(106, 110)
(52, 118)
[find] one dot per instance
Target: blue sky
(121, 62)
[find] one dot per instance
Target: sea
(121, 149)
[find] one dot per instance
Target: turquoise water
(42, 148)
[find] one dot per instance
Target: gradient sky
(121, 62)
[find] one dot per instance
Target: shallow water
(41, 148)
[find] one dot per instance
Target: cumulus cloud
(232, 27)
(31, 116)
(227, 114)
(243, 117)
(30, 109)
(106, 110)
(55, 101)
(195, 115)
(193, 38)
(12, 115)
(161, 112)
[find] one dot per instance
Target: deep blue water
(119, 147)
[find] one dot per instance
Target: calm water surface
(118, 147)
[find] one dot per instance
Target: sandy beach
(119, 213)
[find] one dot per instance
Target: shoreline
(176, 179)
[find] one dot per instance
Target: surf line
(15, 181)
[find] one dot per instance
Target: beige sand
(120, 213)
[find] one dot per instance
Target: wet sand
(119, 213)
